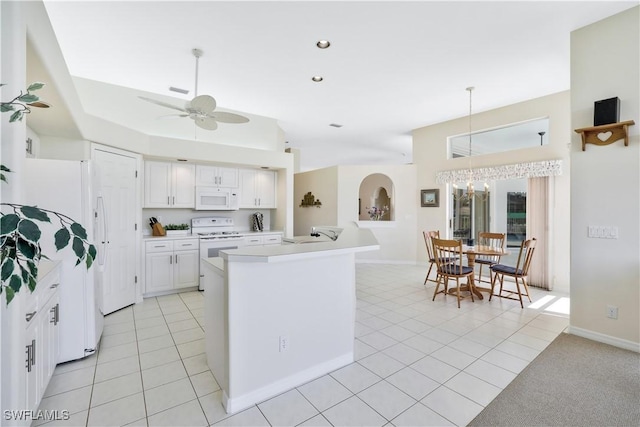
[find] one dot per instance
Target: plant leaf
(28, 98)
(33, 268)
(35, 213)
(4, 107)
(35, 86)
(3, 168)
(9, 294)
(89, 261)
(9, 223)
(79, 230)
(27, 249)
(62, 237)
(78, 248)
(92, 251)
(32, 284)
(29, 230)
(7, 269)
(15, 116)
(15, 283)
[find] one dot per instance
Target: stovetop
(218, 233)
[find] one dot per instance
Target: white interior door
(118, 187)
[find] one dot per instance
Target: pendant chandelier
(470, 188)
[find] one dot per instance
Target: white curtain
(538, 213)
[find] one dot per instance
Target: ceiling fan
(201, 108)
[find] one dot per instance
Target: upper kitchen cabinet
(216, 176)
(169, 185)
(257, 189)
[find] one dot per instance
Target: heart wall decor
(603, 136)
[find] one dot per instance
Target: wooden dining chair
(428, 236)
(519, 273)
(448, 257)
(495, 241)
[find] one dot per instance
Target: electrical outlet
(284, 343)
(612, 312)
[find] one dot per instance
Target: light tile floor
(418, 362)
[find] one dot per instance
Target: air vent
(177, 89)
(335, 125)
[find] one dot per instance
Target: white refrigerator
(71, 188)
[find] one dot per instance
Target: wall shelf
(605, 134)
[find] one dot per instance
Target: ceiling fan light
(323, 44)
(317, 79)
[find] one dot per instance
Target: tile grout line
(144, 396)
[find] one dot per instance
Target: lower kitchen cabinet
(171, 264)
(41, 338)
(263, 239)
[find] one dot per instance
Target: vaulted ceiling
(391, 67)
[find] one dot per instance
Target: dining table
(471, 252)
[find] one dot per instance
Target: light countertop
(350, 240)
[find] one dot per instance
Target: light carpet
(573, 382)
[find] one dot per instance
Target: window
(531, 133)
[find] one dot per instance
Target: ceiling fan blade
(223, 117)
(203, 103)
(207, 123)
(163, 104)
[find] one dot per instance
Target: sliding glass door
(471, 214)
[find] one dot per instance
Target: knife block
(158, 230)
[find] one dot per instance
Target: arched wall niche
(376, 190)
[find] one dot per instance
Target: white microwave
(216, 199)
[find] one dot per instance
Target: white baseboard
(606, 339)
(238, 403)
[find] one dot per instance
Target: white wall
(12, 68)
(323, 184)
(605, 183)
(397, 238)
(338, 189)
(430, 156)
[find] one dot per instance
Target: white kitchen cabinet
(257, 189)
(171, 264)
(216, 176)
(41, 337)
(263, 239)
(169, 185)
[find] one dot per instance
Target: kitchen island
(279, 316)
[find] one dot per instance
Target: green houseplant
(171, 227)
(20, 234)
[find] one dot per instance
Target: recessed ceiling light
(317, 79)
(323, 44)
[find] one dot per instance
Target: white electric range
(215, 234)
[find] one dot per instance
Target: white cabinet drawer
(186, 244)
(252, 240)
(272, 239)
(162, 246)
